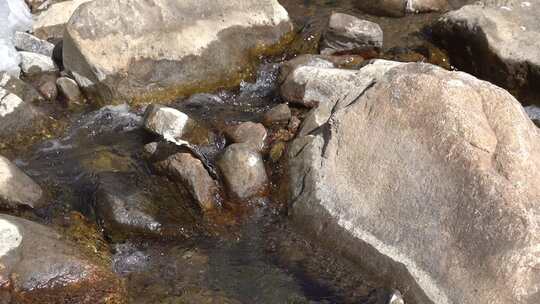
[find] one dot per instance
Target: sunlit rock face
(496, 40)
(16, 188)
(135, 49)
(429, 180)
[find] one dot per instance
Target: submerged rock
(51, 23)
(158, 48)
(505, 54)
(243, 169)
(129, 207)
(16, 188)
(250, 133)
(30, 43)
(429, 180)
(348, 34)
(190, 173)
(39, 266)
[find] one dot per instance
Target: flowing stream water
(247, 253)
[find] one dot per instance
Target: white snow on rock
(14, 16)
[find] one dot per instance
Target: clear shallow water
(248, 253)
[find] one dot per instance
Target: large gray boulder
(429, 180)
(497, 41)
(16, 188)
(51, 23)
(40, 266)
(165, 48)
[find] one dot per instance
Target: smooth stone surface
(39, 266)
(505, 54)
(69, 89)
(33, 63)
(251, 133)
(51, 23)
(163, 48)
(123, 208)
(349, 34)
(429, 181)
(16, 188)
(309, 86)
(287, 67)
(190, 172)
(280, 114)
(243, 169)
(30, 43)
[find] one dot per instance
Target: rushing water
(248, 253)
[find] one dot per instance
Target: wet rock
(463, 169)
(40, 266)
(16, 188)
(250, 133)
(129, 205)
(191, 173)
(534, 114)
(23, 90)
(505, 54)
(175, 126)
(310, 86)
(123, 208)
(114, 60)
(294, 124)
(243, 169)
(69, 90)
(348, 34)
(399, 8)
(33, 63)
(16, 115)
(276, 152)
(280, 114)
(29, 43)
(47, 87)
(51, 23)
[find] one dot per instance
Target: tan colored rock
(190, 172)
(16, 188)
(140, 49)
(429, 180)
(51, 23)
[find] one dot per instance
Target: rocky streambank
(373, 152)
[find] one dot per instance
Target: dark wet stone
(39, 266)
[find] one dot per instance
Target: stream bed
(248, 252)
